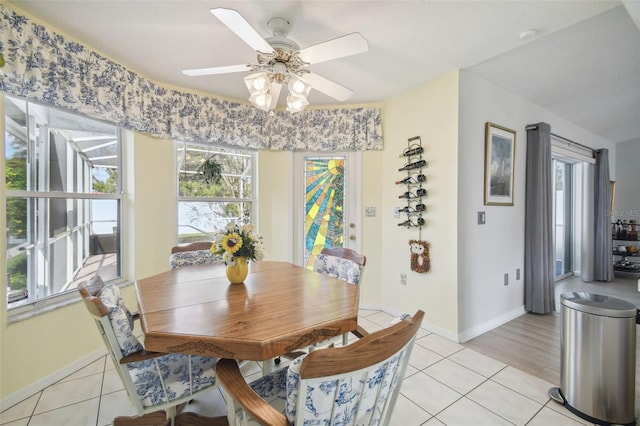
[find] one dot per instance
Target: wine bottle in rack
(414, 165)
(412, 151)
(412, 179)
(409, 223)
(421, 192)
(415, 209)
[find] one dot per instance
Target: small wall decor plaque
(420, 261)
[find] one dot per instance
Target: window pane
(198, 220)
(55, 238)
(235, 172)
(17, 278)
(16, 145)
(17, 222)
(221, 182)
(58, 163)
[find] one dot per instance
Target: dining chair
(346, 265)
(196, 253)
(357, 384)
(159, 385)
(342, 263)
(194, 246)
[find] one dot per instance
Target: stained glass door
(329, 215)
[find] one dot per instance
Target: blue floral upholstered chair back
(357, 384)
(196, 253)
(342, 263)
(155, 382)
(197, 257)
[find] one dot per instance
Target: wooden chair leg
(157, 418)
(194, 419)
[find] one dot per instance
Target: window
(215, 187)
(63, 201)
(563, 218)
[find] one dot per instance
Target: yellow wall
(431, 112)
(151, 204)
(370, 238)
(275, 203)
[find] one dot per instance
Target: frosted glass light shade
(296, 103)
(297, 87)
(258, 83)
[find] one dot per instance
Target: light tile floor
(445, 384)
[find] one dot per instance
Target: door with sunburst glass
(327, 204)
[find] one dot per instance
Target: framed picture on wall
(499, 165)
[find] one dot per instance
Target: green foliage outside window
(17, 272)
(107, 186)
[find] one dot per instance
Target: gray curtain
(587, 229)
(539, 295)
(603, 263)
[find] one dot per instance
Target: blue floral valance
(47, 67)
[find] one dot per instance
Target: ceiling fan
(280, 61)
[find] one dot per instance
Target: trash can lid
(598, 304)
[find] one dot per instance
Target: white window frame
(214, 149)
(34, 306)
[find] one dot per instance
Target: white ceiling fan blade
(327, 86)
(217, 70)
(275, 94)
(236, 23)
(350, 44)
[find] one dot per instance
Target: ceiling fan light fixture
(261, 101)
(297, 87)
(296, 103)
(258, 84)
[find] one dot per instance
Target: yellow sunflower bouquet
(238, 241)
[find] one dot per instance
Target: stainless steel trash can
(598, 350)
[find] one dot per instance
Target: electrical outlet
(403, 278)
(518, 274)
(506, 279)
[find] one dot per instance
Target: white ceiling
(584, 63)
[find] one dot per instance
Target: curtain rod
(534, 127)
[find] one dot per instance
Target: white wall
(487, 252)
(628, 180)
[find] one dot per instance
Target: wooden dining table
(278, 309)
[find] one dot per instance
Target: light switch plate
(481, 218)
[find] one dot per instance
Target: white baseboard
(47, 381)
(447, 334)
(490, 325)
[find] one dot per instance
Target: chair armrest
(229, 375)
(140, 356)
(359, 332)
